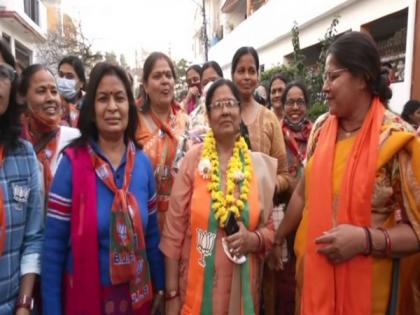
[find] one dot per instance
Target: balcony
(267, 24)
(28, 18)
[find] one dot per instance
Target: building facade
(23, 24)
(266, 25)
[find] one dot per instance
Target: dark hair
(7, 54)
(409, 108)
(278, 76)
(26, 77)
(211, 64)
(301, 86)
(130, 78)
(218, 83)
(357, 52)
(10, 127)
(86, 122)
(147, 70)
(196, 68)
(245, 51)
(78, 67)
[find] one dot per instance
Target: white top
(67, 134)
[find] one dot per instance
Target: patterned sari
(394, 198)
(160, 143)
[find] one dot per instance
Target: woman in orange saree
(219, 179)
(161, 125)
(356, 204)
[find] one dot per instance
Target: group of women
(174, 208)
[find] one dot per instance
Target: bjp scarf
(161, 148)
(294, 134)
(2, 208)
(345, 288)
(128, 259)
(43, 131)
(199, 292)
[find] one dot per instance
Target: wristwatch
(24, 301)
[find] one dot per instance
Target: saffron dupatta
(161, 148)
(127, 257)
(344, 288)
(43, 131)
(199, 295)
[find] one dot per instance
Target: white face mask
(67, 88)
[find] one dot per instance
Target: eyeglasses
(333, 74)
(300, 102)
(227, 103)
(7, 72)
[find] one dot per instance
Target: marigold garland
(238, 173)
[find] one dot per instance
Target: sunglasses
(7, 72)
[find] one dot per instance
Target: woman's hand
(243, 242)
(158, 304)
(192, 92)
(173, 306)
(342, 243)
(275, 257)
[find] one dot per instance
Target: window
(390, 34)
(23, 54)
(31, 8)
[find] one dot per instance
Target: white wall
(268, 30)
(21, 34)
(17, 5)
(234, 18)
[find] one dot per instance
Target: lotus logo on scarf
(122, 232)
(140, 266)
(205, 245)
(48, 153)
(102, 171)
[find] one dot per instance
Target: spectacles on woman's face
(300, 102)
(7, 72)
(219, 105)
(332, 74)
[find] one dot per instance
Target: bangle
(26, 302)
(169, 295)
(259, 240)
(387, 249)
(368, 250)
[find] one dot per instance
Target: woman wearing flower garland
(217, 180)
